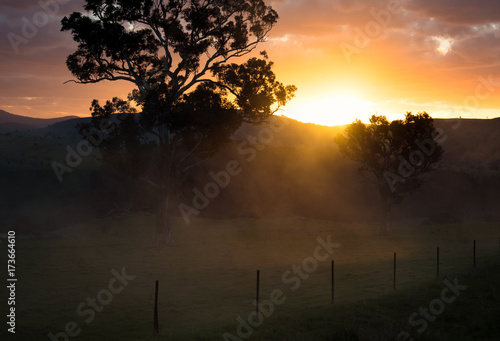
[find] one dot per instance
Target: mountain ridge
(20, 122)
(34, 122)
(296, 170)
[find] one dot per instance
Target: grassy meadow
(207, 279)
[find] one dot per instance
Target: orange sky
(348, 58)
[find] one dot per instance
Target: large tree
(397, 154)
(188, 97)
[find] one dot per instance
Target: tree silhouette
(397, 153)
(188, 99)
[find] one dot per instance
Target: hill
(471, 143)
(295, 170)
(11, 122)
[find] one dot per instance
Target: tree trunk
(385, 211)
(163, 221)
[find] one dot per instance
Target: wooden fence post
(333, 280)
(394, 270)
(155, 321)
(474, 258)
(257, 301)
(437, 265)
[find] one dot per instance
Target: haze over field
(299, 172)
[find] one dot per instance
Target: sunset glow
(330, 110)
(348, 60)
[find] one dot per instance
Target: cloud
(322, 17)
(457, 12)
(28, 25)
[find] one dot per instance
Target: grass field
(207, 280)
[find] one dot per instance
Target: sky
(348, 58)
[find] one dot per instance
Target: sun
(331, 110)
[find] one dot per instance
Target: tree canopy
(189, 95)
(397, 153)
(152, 42)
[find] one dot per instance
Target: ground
(207, 280)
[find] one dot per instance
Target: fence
(469, 260)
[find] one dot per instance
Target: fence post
(474, 258)
(437, 275)
(394, 270)
(333, 280)
(257, 301)
(155, 321)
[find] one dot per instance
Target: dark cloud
(25, 25)
(322, 17)
(457, 12)
(34, 50)
(30, 6)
